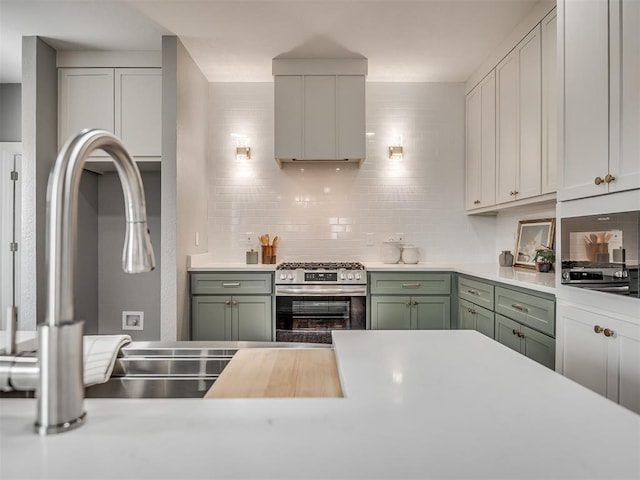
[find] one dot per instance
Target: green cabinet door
(210, 317)
(251, 319)
(539, 347)
(390, 313)
(507, 332)
(466, 319)
(531, 343)
(431, 312)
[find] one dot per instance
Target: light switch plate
(132, 320)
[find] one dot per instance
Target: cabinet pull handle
(608, 332)
(609, 178)
(228, 285)
(227, 302)
(520, 307)
(415, 302)
(408, 304)
(598, 329)
(473, 292)
(514, 331)
(410, 285)
(234, 302)
(472, 311)
(598, 181)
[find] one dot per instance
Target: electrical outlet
(400, 237)
(132, 320)
(249, 238)
(369, 239)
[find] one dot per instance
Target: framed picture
(532, 234)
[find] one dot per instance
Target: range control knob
(291, 276)
(565, 275)
(342, 276)
(357, 276)
(350, 276)
(283, 276)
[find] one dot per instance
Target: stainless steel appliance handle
(228, 285)
(355, 290)
(607, 288)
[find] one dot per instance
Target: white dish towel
(100, 352)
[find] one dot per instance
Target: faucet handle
(137, 255)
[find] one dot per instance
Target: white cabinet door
(85, 100)
(480, 144)
(624, 158)
(138, 110)
(586, 98)
(518, 91)
(350, 120)
(320, 117)
(529, 160)
(550, 102)
(601, 352)
(289, 101)
(506, 127)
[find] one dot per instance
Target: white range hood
(320, 110)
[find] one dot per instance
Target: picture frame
(531, 235)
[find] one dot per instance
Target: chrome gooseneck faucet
(60, 389)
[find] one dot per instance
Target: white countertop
(420, 404)
(521, 277)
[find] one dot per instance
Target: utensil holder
(268, 254)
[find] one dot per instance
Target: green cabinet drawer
(535, 312)
(397, 283)
(231, 283)
(476, 292)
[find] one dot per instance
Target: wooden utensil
(276, 239)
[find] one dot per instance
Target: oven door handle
(610, 288)
(324, 291)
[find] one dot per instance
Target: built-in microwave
(600, 252)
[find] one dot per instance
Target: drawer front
(410, 283)
(476, 292)
(231, 284)
(535, 312)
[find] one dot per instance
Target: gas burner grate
(320, 266)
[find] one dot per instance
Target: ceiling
(409, 41)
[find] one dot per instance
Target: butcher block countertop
(421, 404)
(277, 373)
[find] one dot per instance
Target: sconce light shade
(243, 153)
(395, 152)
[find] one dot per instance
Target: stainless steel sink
(167, 369)
(173, 369)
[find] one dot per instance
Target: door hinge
(14, 176)
(13, 247)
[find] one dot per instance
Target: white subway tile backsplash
(324, 214)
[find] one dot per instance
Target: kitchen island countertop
(423, 404)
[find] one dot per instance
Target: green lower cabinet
(238, 318)
(531, 343)
(420, 312)
(473, 317)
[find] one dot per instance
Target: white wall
(324, 214)
(10, 112)
(184, 173)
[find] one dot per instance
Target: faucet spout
(60, 388)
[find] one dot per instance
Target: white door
(550, 104)
(350, 116)
(585, 89)
(584, 353)
(288, 113)
(506, 128)
(320, 117)
(627, 340)
(624, 159)
(10, 158)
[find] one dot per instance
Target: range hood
(319, 110)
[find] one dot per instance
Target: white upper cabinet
(550, 102)
(601, 86)
(518, 120)
(289, 101)
(125, 101)
(86, 100)
(624, 153)
(350, 105)
(138, 110)
(480, 144)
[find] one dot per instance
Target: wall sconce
(243, 153)
(395, 152)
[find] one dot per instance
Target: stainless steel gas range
(314, 298)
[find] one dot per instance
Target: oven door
(311, 317)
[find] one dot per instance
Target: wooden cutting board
(273, 373)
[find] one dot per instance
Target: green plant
(545, 255)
